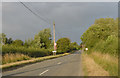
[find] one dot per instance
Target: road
(69, 65)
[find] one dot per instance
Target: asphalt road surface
(69, 65)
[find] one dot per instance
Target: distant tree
(9, 41)
(63, 44)
(74, 46)
(28, 43)
(43, 39)
(18, 43)
(81, 44)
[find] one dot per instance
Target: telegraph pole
(54, 52)
(54, 35)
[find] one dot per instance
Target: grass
(91, 68)
(9, 58)
(84, 66)
(92, 62)
(106, 61)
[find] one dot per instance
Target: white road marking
(59, 63)
(43, 72)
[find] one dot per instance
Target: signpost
(54, 53)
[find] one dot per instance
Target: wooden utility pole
(54, 52)
(54, 35)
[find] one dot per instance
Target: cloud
(71, 19)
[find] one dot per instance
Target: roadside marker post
(54, 53)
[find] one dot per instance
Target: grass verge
(9, 58)
(91, 68)
(106, 61)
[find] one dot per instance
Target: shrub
(109, 46)
(31, 52)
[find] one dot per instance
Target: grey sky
(71, 19)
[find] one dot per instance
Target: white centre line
(59, 63)
(43, 72)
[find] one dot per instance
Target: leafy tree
(18, 43)
(104, 32)
(63, 44)
(43, 39)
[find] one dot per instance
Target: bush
(31, 52)
(109, 46)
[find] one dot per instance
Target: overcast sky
(71, 19)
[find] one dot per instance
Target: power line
(37, 10)
(34, 13)
(41, 15)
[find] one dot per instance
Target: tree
(18, 43)
(63, 44)
(43, 39)
(74, 46)
(102, 32)
(9, 41)
(28, 43)
(3, 39)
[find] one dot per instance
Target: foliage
(18, 43)
(41, 45)
(31, 52)
(28, 43)
(74, 46)
(3, 38)
(102, 36)
(43, 39)
(63, 45)
(9, 41)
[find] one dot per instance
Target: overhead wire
(37, 11)
(34, 13)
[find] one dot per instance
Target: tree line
(40, 45)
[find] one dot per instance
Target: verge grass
(91, 68)
(9, 58)
(106, 61)
(99, 61)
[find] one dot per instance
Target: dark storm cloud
(71, 19)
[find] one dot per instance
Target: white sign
(86, 49)
(53, 51)
(55, 44)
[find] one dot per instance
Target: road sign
(54, 51)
